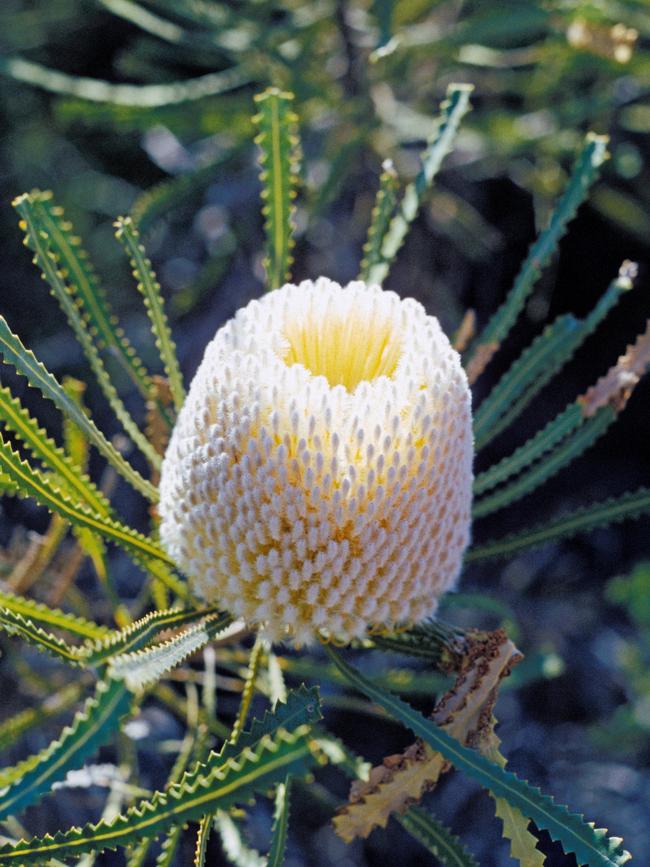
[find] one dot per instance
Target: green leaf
(546, 438)
(138, 634)
(280, 823)
(537, 364)
(91, 298)
(213, 786)
(40, 239)
(582, 178)
(143, 667)
(523, 844)
(39, 377)
(591, 846)
(440, 644)
(302, 706)
(563, 454)
(383, 210)
(452, 111)
(32, 483)
(168, 848)
(202, 837)
(437, 838)
(631, 505)
(128, 236)
(45, 616)
(279, 159)
(91, 727)
(249, 688)
(18, 419)
(17, 624)
(136, 95)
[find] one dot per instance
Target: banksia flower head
(319, 476)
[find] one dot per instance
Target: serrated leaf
(92, 300)
(382, 212)
(631, 505)
(591, 846)
(149, 287)
(32, 483)
(17, 624)
(523, 845)
(537, 364)
(45, 616)
(141, 632)
(249, 687)
(279, 158)
(402, 779)
(202, 837)
(452, 110)
(43, 242)
(18, 419)
(583, 176)
(217, 786)
(280, 823)
(39, 377)
(559, 457)
(437, 838)
(545, 439)
(238, 852)
(143, 667)
(91, 727)
(302, 706)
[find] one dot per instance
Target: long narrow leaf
(39, 377)
(17, 624)
(45, 616)
(628, 506)
(382, 212)
(437, 838)
(33, 484)
(590, 845)
(18, 419)
(143, 667)
(546, 355)
(279, 158)
(91, 727)
(584, 175)
(127, 234)
(219, 786)
(93, 302)
(280, 823)
(452, 111)
(562, 455)
(48, 258)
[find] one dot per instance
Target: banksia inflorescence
(319, 476)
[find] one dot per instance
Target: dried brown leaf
(466, 331)
(465, 712)
(616, 386)
(480, 360)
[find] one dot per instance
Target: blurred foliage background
(145, 107)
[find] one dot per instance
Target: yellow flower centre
(344, 346)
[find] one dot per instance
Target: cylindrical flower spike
(319, 477)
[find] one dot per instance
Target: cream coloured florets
(319, 476)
